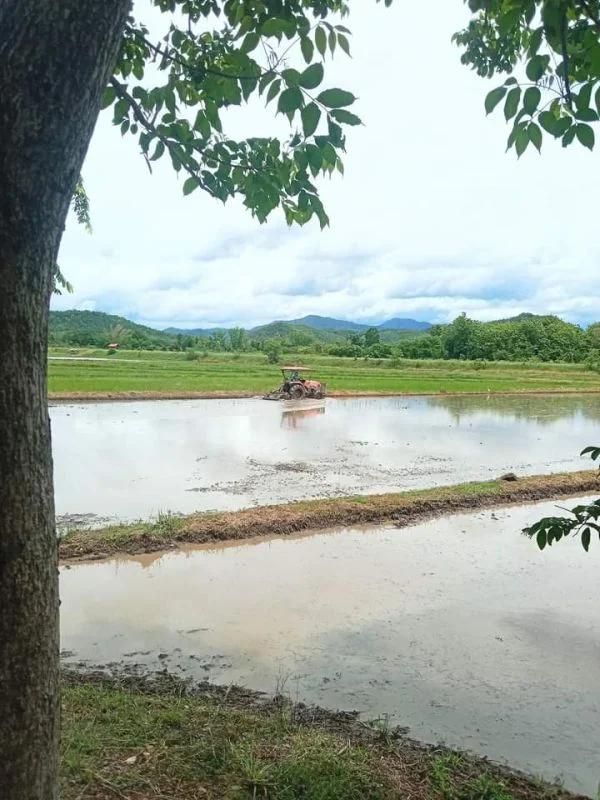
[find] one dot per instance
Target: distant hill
(327, 323)
(526, 316)
(313, 323)
(400, 323)
(194, 331)
(97, 329)
(332, 324)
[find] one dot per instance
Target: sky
(432, 217)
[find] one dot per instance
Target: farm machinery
(296, 386)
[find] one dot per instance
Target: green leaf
(512, 103)
(521, 141)
(493, 98)
(332, 41)
(290, 100)
(120, 110)
(531, 100)
(265, 81)
(568, 137)
(536, 67)
(159, 150)
(586, 115)
(556, 126)
(273, 90)
(585, 539)
(312, 76)
(321, 40)
(291, 77)
(336, 98)
(548, 122)
(597, 99)
(344, 43)
(582, 99)
(311, 114)
(345, 116)
(108, 97)
(250, 42)
(585, 134)
(191, 184)
(541, 539)
(307, 48)
(562, 125)
(535, 136)
(315, 158)
(274, 27)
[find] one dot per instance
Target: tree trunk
(55, 59)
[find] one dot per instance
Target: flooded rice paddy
(132, 460)
(459, 629)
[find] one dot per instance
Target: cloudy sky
(431, 219)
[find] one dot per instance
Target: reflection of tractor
(296, 387)
(293, 417)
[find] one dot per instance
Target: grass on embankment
(404, 508)
(157, 742)
(146, 375)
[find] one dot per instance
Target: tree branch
(151, 128)
(190, 68)
(565, 55)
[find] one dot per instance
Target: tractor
(295, 386)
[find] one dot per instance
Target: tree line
(524, 338)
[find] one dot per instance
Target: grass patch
(405, 508)
(164, 742)
(150, 374)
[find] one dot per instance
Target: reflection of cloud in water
(458, 627)
(189, 456)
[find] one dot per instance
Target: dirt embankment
(281, 520)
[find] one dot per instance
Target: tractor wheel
(297, 391)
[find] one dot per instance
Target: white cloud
(432, 217)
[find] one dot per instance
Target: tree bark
(55, 59)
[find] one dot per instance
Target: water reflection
(542, 409)
(185, 456)
(294, 417)
(459, 628)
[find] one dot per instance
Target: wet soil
(458, 628)
(143, 459)
(285, 520)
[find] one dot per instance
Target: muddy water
(132, 460)
(460, 629)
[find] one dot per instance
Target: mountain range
(322, 324)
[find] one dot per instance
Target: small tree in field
(272, 349)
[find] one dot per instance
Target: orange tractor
(296, 387)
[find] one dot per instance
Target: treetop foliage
(269, 49)
(553, 47)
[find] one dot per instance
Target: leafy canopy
(172, 93)
(553, 49)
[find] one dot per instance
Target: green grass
(161, 742)
(189, 747)
(156, 372)
(288, 518)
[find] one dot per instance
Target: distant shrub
(480, 363)
(190, 355)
